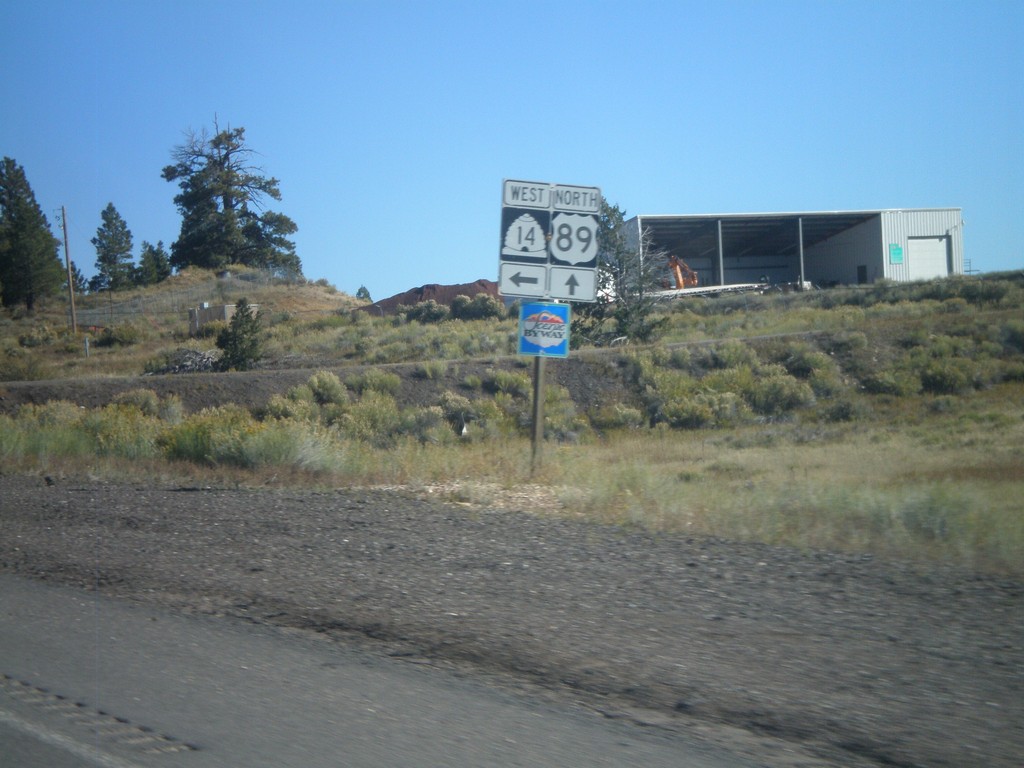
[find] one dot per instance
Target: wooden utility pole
(71, 277)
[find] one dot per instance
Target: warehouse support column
(800, 235)
(721, 256)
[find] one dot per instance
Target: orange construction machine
(681, 273)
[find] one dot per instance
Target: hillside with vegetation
(883, 418)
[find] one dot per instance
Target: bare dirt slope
(852, 660)
(590, 381)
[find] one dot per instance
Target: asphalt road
(86, 680)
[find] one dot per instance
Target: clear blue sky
(391, 125)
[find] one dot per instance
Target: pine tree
(154, 264)
(221, 204)
(242, 341)
(30, 268)
(78, 281)
(113, 243)
(627, 281)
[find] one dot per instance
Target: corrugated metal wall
(898, 227)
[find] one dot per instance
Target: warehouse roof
(695, 236)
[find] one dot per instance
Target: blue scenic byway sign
(544, 329)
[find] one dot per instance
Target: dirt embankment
(591, 382)
(853, 661)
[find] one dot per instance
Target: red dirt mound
(442, 294)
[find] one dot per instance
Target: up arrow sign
(572, 283)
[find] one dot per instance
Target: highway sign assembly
(549, 241)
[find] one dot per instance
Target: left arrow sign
(522, 280)
(519, 279)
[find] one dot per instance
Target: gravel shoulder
(848, 659)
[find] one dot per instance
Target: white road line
(54, 739)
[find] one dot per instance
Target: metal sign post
(543, 333)
(538, 414)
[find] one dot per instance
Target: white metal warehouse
(824, 248)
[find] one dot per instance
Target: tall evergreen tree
(154, 264)
(113, 243)
(78, 281)
(221, 204)
(30, 267)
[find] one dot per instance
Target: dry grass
(896, 470)
(949, 492)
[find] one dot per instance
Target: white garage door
(927, 257)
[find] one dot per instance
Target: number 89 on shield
(574, 238)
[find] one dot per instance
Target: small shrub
(777, 394)
(283, 444)
(171, 410)
(688, 413)
(427, 425)
(426, 312)
(844, 409)
(498, 418)
(375, 419)
(297, 409)
(674, 385)
(480, 307)
(458, 410)
(212, 329)
(122, 430)
(955, 306)
(804, 362)
(326, 388)
(375, 380)
(38, 336)
(207, 437)
(733, 354)
(741, 380)
(21, 365)
(55, 413)
(1012, 370)
(431, 369)
(146, 400)
(706, 409)
(680, 359)
(561, 421)
(947, 376)
(618, 416)
(1012, 336)
(826, 382)
(508, 382)
(12, 443)
(121, 335)
(902, 383)
(847, 341)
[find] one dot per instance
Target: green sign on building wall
(895, 253)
